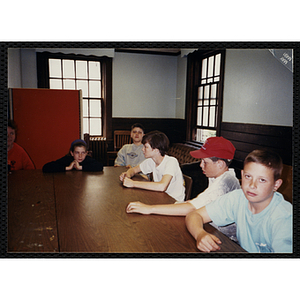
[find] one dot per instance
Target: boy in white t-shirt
(167, 175)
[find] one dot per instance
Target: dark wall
(175, 129)
(248, 137)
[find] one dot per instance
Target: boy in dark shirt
(76, 159)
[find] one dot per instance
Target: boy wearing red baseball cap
(216, 155)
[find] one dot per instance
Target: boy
(130, 155)
(76, 159)
(167, 174)
(17, 157)
(216, 155)
(262, 216)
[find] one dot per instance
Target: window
(204, 94)
(85, 73)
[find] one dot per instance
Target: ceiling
(167, 51)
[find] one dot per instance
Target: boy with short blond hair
(262, 216)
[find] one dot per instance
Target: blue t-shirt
(269, 231)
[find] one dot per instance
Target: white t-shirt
(217, 187)
(169, 166)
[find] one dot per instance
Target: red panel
(48, 121)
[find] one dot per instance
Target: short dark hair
(268, 158)
(139, 125)
(157, 140)
(227, 161)
(78, 144)
(12, 124)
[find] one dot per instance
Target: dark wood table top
(31, 212)
(85, 212)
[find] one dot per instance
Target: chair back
(121, 137)
(188, 182)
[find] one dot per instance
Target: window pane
(204, 134)
(199, 116)
(54, 67)
(95, 126)
(205, 116)
(85, 107)
(55, 84)
(94, 70)
(206, 92)
(204, 67)
(213, 91)
(217, 64)
(95, 91)
(212, 116)
(210, 66)
(68, 68)
(81, 69)
(83, 85)
(213, 102)
(95, 108)
(85, 125)
(69, 84)
(200, 91)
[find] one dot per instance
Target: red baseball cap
(215, 147)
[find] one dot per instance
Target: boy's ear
(277, 185)
(71, 153)
(221, 163)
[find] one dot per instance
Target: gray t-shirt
(130, 154)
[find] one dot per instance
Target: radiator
(97, 148)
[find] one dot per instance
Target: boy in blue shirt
(262, 216)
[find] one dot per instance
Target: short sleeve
(147, 166)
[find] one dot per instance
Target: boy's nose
(252, 184)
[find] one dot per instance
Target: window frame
(106, 81)
(194, 66)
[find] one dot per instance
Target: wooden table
(85, 212)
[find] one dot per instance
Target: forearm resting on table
(204, 241)
(159, 186)
(194, 223)
(175, 209)
(132, 171)
(150, 185)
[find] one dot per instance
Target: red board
(48, 121)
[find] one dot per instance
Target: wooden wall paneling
(247, 137)
(175, 129)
